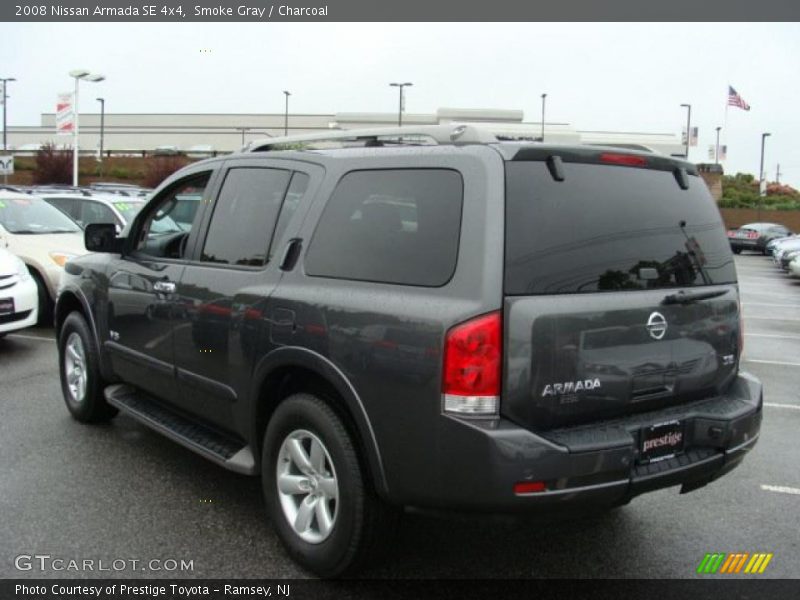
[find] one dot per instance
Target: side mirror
(102, 237)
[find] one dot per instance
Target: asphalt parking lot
(121, 492)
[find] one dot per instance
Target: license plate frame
(661, 441)
(7, 306)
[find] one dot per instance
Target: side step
(209, 443)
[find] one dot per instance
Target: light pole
(400, 108)
(285, 114)
(761, 192)
(716, 152)
(243, 130)
(688, 126)
(5, 81)
(544, 97)
(102, 102)
(78, 74)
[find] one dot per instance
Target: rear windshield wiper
(684, 298)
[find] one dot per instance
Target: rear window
(610, 228)
(390, 226)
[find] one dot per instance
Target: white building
(208, 133)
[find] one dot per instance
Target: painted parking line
(770, 304)
(749, 317)
(770, 294)
(781, 489)
(778, 405)
(31, 337)
(772, 362)
(773, 335)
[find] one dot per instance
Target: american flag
(734, 99)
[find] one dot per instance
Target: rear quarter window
(398, 226)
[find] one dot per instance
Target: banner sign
(65, 122)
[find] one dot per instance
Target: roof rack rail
(452, 134)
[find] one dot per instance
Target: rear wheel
(318, 498)
(737, 250)
(81, 382)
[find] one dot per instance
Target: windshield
(33, 215)
(610, 228)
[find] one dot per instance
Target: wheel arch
(72, 300)
(288, 370)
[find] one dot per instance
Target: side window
(67, 206)
(244, 216)
(94, 212)
(294, 194)
(390, 226)
(161, 235)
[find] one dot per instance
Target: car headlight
(22, 268)
(61, 258)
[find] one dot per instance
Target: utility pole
(285, 115)
(778, 174)
(400, 86)
(544, 97)
(688, 126)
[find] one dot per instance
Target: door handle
(164, 287)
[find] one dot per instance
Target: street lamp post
(688, 108)
(716, 152)
(761, 190)
(400, 108)
(5, 81)
(285, 114)
(544, 97)
(102, 102)
(78, 74)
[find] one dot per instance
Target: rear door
(620, 291)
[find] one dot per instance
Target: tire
(337, 491)
(79, 367)
(737, 250)
(45, 317)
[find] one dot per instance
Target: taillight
(623, 159)
(473, 359)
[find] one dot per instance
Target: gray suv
(429, 318)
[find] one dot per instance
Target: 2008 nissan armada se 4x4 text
(426, 318)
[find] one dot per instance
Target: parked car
(776, 242)
(794, 267)
(755, 236)
(482, 325)
(103, 208)
(43, 237)
(781, 252)
(19, 304)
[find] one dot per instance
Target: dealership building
(204, 134)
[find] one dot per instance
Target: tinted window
(65, 205)
(608, 228)
(392, 226)
(295, 192)
(245, 216)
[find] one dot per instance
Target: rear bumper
(745, 244)
(593, 465)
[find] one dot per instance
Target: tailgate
(579, 358)
(619, 285)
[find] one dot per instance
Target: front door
(225, 290)
(142, 285)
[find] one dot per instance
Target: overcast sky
(622, 77)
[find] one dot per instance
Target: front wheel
(318, 498)
(81, 382)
